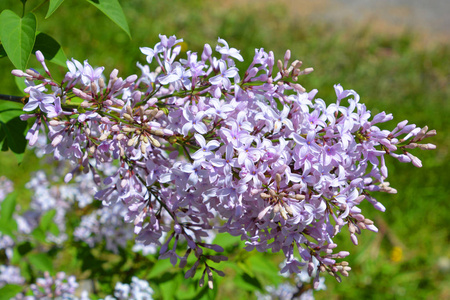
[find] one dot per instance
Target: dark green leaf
(9, 291)
(24, 248)
(113, 10)
(2, 52)
(12, 129)
(41, 262)
(17, 36)
(50, 48)
(9, 110)
(52, 6)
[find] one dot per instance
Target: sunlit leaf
(113, 10)
(52, 6)
(17, 36)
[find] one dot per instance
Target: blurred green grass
(391, 73)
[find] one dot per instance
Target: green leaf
(9, 291)
(8, 206)
(9, 110)
(247, 282)
(12, 129)
(52, 6)
(50, 48)
(41, 262)
(39, 234)
(17, 36)
(161, 266)
(47, 219)
(20, 82)
(113, 10)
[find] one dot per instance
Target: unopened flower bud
(368, 222)
(32, 73)
(427, 146)
(361, 225)
(133, 141)
(128, 129)
(430, 133)
(128, 117)
(18, 73)
(104, 136)
(278, 179)
(307, 71)
(351, 228)
(280, 65)
(129, 110)
(298, 88)
(276, 208)
(354, 239)
(207, 52)
(55, 122)
(288, 209)
(414, 160)
(56, 140)
(265, 196)
(154, 141)
(143, 148)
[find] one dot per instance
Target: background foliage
(409, 258)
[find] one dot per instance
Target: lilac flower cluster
(62, 286)
(10, 275)
(58, 287)
(302, 290)
(200, 147)
(138, 289)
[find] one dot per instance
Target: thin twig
(18, 99)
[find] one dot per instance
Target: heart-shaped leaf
(17, 36)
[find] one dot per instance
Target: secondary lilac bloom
(235, 136)
(307, 145)
(253, 172)
(193, 121)
(175, 73)
(281, 119)
(195, 171)
(38, 98)
(205, 148)
(219, 109)
(90, 75)
(226, 50)
(223, 78)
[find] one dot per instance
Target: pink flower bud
(40, 56)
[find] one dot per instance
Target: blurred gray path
(429, 18)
